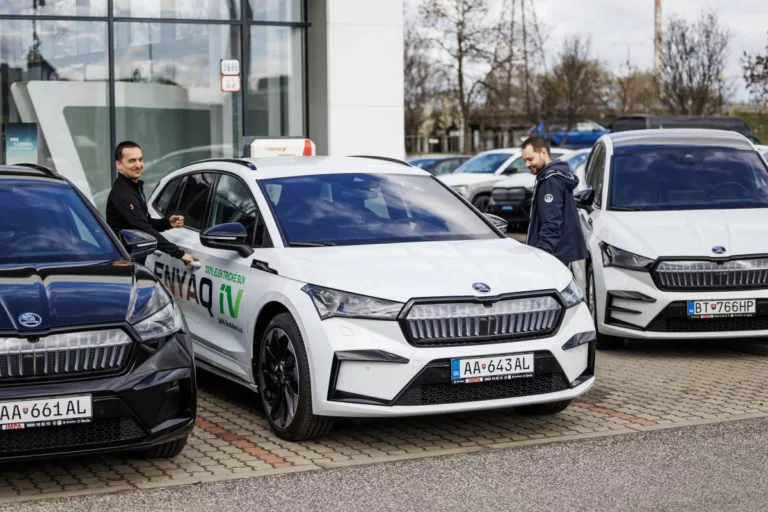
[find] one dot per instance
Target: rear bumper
(152, 402)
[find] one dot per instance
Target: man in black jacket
(555, 226)
(127, 205)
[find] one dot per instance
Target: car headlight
(613, 257)
(334, 303)
(462, 190)
(153, 313)
(572, 294)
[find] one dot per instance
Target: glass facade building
(79, 76)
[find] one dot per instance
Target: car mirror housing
(497, 221)
(230, 237)
(138, 243)
(585, 199)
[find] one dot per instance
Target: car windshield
(360, 209)
(47, 222)
(575, 161)
(688, 178)
(483, 164)
(423, 163)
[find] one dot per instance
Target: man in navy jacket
(555, 227)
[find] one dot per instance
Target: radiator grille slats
(469, 323)
(63, 354)
(712, 275)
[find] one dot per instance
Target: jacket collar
(138, 185)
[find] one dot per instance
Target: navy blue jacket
(555, 227)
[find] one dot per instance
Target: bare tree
(467, 37)
(755, 69)
(634, 92)
(693, 67)
(424, 81)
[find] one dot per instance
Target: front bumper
(630, 305)
(365, 368)
(151, 402)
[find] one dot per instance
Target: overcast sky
(615, 24)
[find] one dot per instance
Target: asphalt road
(712, 467)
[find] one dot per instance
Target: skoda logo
(30, 320)
(481, 287)
(718, 249)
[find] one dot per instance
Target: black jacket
(555, 226)
(127, 209)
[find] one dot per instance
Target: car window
(194, 198)
(517, 165)
(688, 178)
(359, 209)
(233, 202)
(446, 166)
(47, 222)
(164, 199)
(484, 164)
(423, 163)
(596, 172)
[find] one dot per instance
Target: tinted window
(688, 178)
(357, 209)
(164, 200)
(232, 202)
(194, 198)
(484, 163)
(47, 222)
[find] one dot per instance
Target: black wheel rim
(279, 378)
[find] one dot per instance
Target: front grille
(447, 393)
(755, 323)
(509, 194)
(76, 353)
(466, 323)
(101, 432)
(712, 275)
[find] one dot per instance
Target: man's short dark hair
(123, 145)
(537, 143)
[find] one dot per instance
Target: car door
(226, 338)
(190, 198)
(589, 215)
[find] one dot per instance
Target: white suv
(675, 222)
(360, 287)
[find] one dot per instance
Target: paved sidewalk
(644, 387)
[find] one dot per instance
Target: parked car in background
(438, 165)
(475, 178)
(673, 220)
(651, 122)
(582, 134)
(511, 197)
(94, 352)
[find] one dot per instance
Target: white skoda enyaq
(361, 287)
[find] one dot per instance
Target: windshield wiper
(311, 244)
(626, 209)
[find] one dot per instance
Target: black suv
(94, 353)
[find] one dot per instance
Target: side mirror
(230, 237)
(585, 199)
(497, 221)
(138, 243)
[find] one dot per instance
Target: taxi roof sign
(261, 148)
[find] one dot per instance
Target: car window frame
(590, 169)
(206, 212)
(178, 179)
(266, 238)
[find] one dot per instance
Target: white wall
(355, 79)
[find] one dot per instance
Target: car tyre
(481, 202)
(167, 450)
(604, 341)
(547, 409)
(284, 384)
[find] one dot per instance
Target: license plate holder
(46, 412)
(730, 308)
(471, 370)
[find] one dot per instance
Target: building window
(276, 10)
(179, 9)
(54, 7)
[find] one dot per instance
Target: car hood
(468, 178)
(400, 272)
(518, 180)
(687, 233)
(63, 296)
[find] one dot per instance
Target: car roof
(678, 137)
(295, 166)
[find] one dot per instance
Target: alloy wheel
(279, 377)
